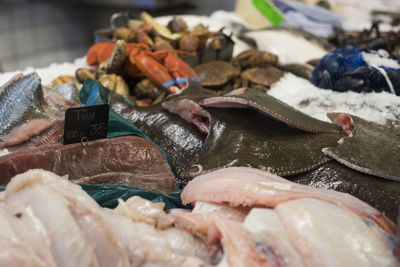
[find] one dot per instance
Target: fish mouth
(191, 112)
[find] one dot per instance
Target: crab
(259, 78)
(254, 58)
(215, 74)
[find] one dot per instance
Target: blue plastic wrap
(346, 69)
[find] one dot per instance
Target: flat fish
(130, 160)
(250, 137)
(270, 106)
(382, 194)
(370, 148)
(244, 137)
(241, 186)
(20, 101)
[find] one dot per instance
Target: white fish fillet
(328, 235)
(236, 214)
(242, 186)
(268, 231)
(13, 250)
(236, 241)
(68, 245)
(142, 210)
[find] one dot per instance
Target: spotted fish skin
(19, 101)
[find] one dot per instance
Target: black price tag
(85, 124)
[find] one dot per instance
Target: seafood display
(207, 157)
(139, 233)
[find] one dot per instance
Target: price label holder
(85, 124)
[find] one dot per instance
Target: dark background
(39, 32)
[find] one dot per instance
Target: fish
(320, 228)
(382, 194)
(142, 210)
(225, 236)
(26, 131)
(181, 141)
(118, 241)
(270, 106)
(20, 101)
(369, 148)
(51, 135)
(328, 235)
(128, 160)
(28, 197)
(251, 187)
(234, 214)
(69, 91)
(270, 234)
(30, 110)
(16, 251)
(254, 139)
(265, 128)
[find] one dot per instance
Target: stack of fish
(242, 217)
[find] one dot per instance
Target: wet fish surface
(129, 160)
(83, 233)
(20, 101)
(288, 224)
(382, 194)
(370, 148)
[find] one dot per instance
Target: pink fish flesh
(242, 186)
(26, 131)
(128, 160)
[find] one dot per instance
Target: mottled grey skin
(245, 137)
(384, 195)
(371, 148)
(238, 137)
(272, 107)
(260, 142)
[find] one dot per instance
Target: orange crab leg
(100, 52)
(154, 71)
(180, 70)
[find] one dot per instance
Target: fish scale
(19, 101)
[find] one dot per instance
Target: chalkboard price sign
(85, 124)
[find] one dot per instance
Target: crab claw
(180, 70)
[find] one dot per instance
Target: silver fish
(20, 101)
